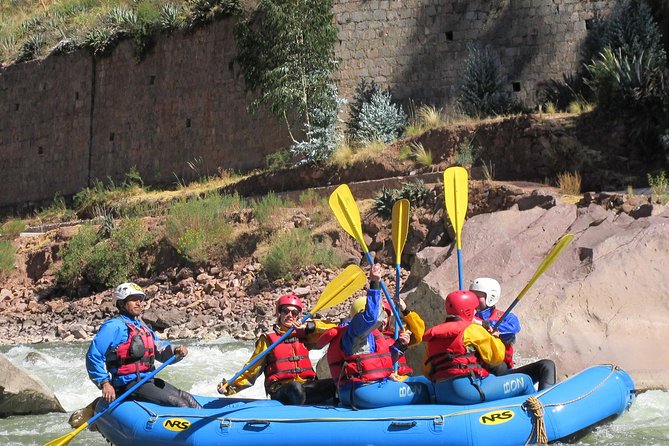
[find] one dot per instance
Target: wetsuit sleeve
(363, 323)
(109, 335)
(490, 349)
(417, 326)
(248, 378)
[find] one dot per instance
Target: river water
(61, 367)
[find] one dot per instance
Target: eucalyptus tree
(286, 53)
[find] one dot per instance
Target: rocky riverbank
(183, 303)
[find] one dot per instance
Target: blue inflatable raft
(563, 412)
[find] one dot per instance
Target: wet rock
(24, 394)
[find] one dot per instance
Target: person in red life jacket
(489, 292)
(456, 351)
(415, 325)
(124, 350)
(289, 374)
(361, 358)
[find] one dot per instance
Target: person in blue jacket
(124, 351)
(489, 291)
(361, 358)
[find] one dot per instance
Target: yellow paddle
(347, 213)
(341, 288)
(65, 439)
(548, 261)
(456, 195)
(400, 230)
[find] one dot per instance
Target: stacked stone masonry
(68, 120)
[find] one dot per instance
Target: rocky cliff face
(605, 300)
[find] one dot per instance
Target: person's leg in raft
(469, 390)
(541, 372)
(320, 391)
(506, 386)
(161, 392)
(384, 393)
(291, 394)
(460, 390)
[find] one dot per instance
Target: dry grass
(345, 155)
(569, 183)
(421, 156)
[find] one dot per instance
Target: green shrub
(466, 154)
(268, 208)
(7, 256)
(481, 92)
(31, 47)
(659, 183)
(100, 261)
(278, 160)
(382, 203)
(373, 116)
(198, 229)
(292, 250)
(11, 229)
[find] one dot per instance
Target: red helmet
(288, 299)
(461, 303)
(386, 307)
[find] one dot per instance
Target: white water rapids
(61, 367)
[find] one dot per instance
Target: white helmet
(125, 290)
(491, 288)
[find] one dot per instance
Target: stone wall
(418, 47)
(67, 120)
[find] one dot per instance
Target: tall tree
(286, 53)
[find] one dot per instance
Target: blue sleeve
(509, 327)
(111, 334)
(362, 323)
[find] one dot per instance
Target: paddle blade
(456, 195)
(341, 288)
(347, 213)
(65, 439)
(552, 255)
(400, 227)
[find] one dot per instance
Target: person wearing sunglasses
(289, 375)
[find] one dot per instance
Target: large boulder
(24, 394)
(604, 300)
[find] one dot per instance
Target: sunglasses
(285, 310)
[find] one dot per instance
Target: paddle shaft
(548, 261)
(461, 279)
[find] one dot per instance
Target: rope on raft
(533, 405)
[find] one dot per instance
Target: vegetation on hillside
(34, 28)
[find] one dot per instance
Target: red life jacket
(508, 353)
(366, 367)
(447, 354)
(402, 366)
(128, 358)
(287, 361)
